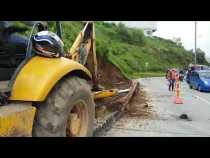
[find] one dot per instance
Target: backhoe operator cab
(56, 86)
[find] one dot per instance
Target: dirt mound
(140, 106)
(110, 76)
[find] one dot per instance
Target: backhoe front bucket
(16, 120)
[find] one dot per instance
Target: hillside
(129, 49)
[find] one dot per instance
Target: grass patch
(148, 74)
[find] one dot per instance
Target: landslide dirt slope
(110, 76)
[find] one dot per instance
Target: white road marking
(200, 98)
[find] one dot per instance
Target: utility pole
(195, 42)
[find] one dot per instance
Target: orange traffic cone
(178, 100)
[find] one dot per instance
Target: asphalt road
(167, 123)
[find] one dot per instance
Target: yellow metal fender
(40, 74)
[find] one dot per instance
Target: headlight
(205, 82)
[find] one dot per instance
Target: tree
(123, 32)
(201, 59)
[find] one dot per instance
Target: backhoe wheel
(69, 110)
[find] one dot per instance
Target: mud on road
(140, 107)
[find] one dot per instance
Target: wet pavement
(167, 122)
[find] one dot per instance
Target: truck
(55, 96)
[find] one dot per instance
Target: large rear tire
(69, 110)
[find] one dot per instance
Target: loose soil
(111, 77)
(140, 106)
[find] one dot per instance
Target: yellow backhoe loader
(54, 97)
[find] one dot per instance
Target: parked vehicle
(194, 67)
(197, 67)
(45, 92)
(200, 80)
(188, 74)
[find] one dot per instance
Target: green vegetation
(148, 74)
(129, 49)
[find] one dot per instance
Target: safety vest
(173, 75)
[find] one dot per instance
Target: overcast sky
(185, 30)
